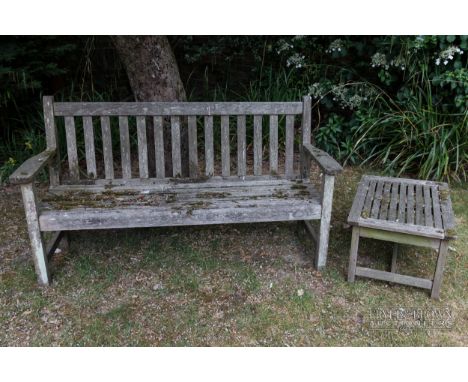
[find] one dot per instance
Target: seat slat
(142, 147)
(392, 208)
(71, 148)
(402, 203)
(89, 147)
(241, 146)
(175, 143)
(428, 206)
(125, 148)
(369, 198)
(419, 205)
(107, 148)
(384, 203)
(258, 162)
(193, 146)
(225, 152)
(159, 147)
(377, 199)
(410, 204)
(289, 149)
(209, 146)
(436, 207)
(273, 144)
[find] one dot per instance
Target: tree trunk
(154, 76)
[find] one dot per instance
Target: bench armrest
(328, 165)
(31, 167)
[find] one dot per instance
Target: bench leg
(393, 266)
(353, 254)
(35, 236)
(327, 200)
(437, 282)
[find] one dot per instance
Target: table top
(417, 207)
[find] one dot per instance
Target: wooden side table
(404, 211)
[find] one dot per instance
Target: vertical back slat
(107, 147)
(71, 148)
(142, 147)
(241, 146)
(52, 139)
(209, 148)
(125, 148)
(257, 145)
(225, 152)
(306, 128)
(159, 147)
(193, 146)
(273, 144)
(289, 160)
(175, 142)
(89, 147)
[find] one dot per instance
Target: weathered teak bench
(92, 196)
(405, 211)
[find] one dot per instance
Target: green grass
(225, 285)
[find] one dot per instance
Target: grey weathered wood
(447, 212)
(392, 207)
(175, 108)
(306, 119)
(403, 228)
(125, 153)
(402, 203)
(35, 237)
(410, 204)
(53, 243)
(193, 146)
(419, 205)
(159, 147)
(71, 148)
(383, 213)
(31, 167)
(209, 146)
(143, 146)
(394, 277)
(327, 200)
(429, 221)
(377, 198)
(359, 200)
(312, 230)
(225, 152)
(107, 148)
(328, 165)
(273, 144)
(398, 237)
(366, 210)
(437, 282)
(353, 254)
(51, 139)
(216, 211)
(88, 128)
(393, 266)
(258, 148)
(423, 208)
(436, 207)
(241, 146)
(289, 146)
(176, 149)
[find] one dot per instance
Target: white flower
(300, 292)
(437, 61)
(445, 62)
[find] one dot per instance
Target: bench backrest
(211, 125)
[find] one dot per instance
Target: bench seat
(157, 203)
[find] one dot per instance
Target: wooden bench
(105, 191)
(404, 211)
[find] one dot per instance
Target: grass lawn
(233, 285)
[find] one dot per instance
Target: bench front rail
(218, 178)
